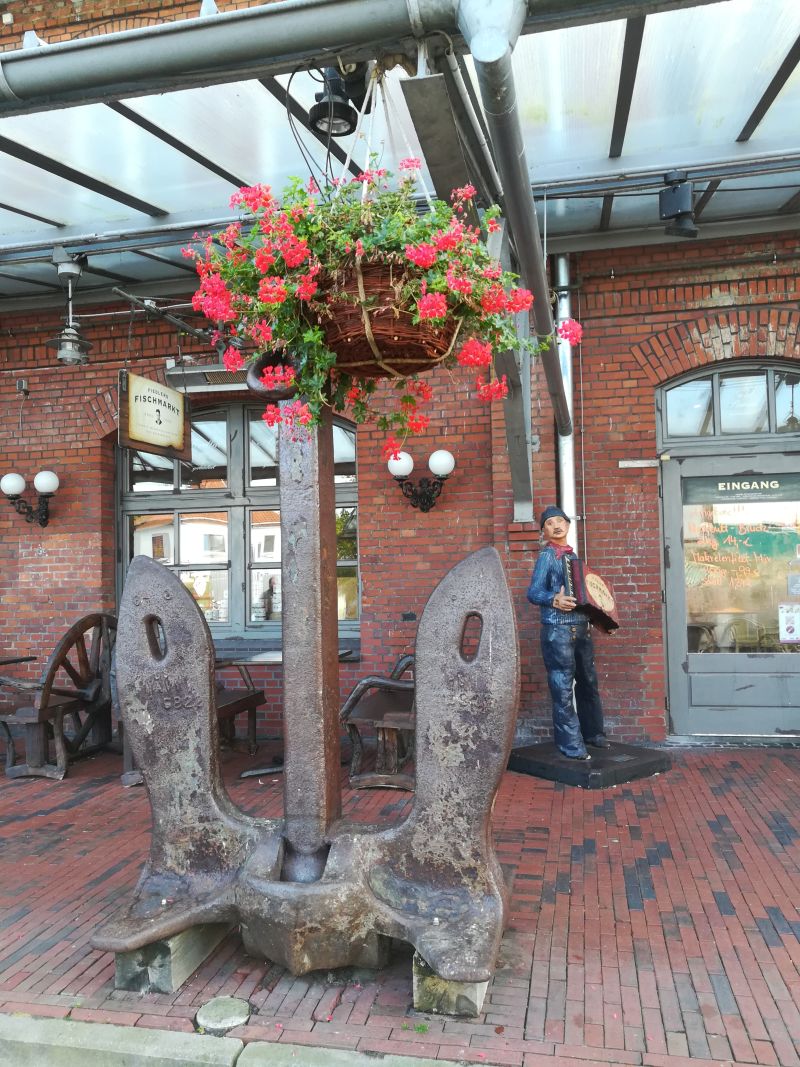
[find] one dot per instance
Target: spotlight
(675, 204)
(332, 115)
(72, 349)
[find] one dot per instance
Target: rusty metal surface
(309, 891)
(312, 797)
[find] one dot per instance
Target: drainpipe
(491, 30)
(566, 444)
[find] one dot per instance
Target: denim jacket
(546, 582)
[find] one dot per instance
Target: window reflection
(743, 403)
(265, 563)
(347, 592)
(204, 537)
(265, 595)
(742, 565)
(210, 590)
(787, 399)
(209, 466)
(153, 535)
(263, 451)
(690, 410)
(148, 473)
(344, 453)
(346, 565)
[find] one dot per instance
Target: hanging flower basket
(374, 335)
(351, 284)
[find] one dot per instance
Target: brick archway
(755, 333)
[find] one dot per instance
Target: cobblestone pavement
(655, 923)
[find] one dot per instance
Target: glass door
(732, 590)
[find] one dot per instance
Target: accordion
(593, 594)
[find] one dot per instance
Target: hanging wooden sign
(153, 418)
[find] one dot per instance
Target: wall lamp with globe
(45, 483)
(426, 491)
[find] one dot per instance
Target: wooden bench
(75, 687)
(234, 702)
(383, 705)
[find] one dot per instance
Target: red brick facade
(649, 314)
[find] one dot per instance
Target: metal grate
(225, 377)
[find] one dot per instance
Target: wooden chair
(75, 686)
(385, 706)
(234, 702)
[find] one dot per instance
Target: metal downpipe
(490, 38)
(566, 443)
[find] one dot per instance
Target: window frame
(239, 500)
(770, 440)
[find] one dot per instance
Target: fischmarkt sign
(153, 417)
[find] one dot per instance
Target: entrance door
(732, 576)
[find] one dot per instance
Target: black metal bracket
(39, 514)
(424, 493)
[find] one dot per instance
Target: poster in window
(789, 624)
(153, 418)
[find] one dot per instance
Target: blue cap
(550, 512)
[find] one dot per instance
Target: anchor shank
(310, 648)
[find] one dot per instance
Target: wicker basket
(372, 335)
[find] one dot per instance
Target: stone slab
(163, 966)
(32, 1042)
(222, 1013)
(608, 766)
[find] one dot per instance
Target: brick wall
(650, 314)
(660, 315)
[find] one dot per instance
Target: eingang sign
(153, 417)
(744, 487)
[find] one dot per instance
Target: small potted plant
(326, 291)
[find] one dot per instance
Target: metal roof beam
(53, 287)
(597, 176)
(257, 41)
(631, 50)
(791, 206)
(86, 181)
(605, 214)
(708, 192)
(782, 75)
(30, 215)
(173, 142)
(768, 97)
(167, 261)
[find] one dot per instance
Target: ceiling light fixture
(333, 115)
(72, 349)
(675, 204)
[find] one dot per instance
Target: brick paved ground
(655, 923)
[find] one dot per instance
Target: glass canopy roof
(606, 110)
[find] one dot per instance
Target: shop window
(216, 521)
(747, 404)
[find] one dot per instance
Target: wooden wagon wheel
(79, 669)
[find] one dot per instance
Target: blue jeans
(569, 658)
